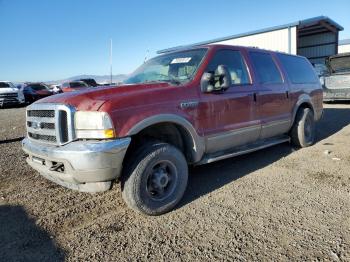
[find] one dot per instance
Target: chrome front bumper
(80, 165)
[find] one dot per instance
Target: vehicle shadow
(7, 141)
(333, 120)
(207, 178)
(22, 240)
(14, 106)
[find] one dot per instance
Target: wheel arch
(193, 143)
(304, 101)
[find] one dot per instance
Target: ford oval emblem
(36, 125)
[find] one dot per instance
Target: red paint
(235, 108)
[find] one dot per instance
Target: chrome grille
(41, 113)
(50, 123)
(9, 95)
(51, 139)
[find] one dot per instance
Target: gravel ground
(275, 204)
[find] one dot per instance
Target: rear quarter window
(299, 70)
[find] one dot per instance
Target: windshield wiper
(172, 81)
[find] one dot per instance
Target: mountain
(99, 79)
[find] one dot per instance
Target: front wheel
(156, 179)
(303, 131)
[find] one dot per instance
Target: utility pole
(111, 61)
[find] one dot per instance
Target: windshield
(77, 84)
(340, 63)
(176, 67)
(4, 85)
(38, 87)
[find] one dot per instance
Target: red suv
(188, 107)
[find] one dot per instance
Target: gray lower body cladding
(80, 165)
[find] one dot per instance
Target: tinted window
(77, 84)
(37, 87)
(4, 85)
(234, 62)
(90, 82)
(298, 69)
(266, 68)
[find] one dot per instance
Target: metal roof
(301, 23)
(344, 42)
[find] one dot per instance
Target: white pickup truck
(10, 94)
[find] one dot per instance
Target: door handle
(287, 94)
(254, 96)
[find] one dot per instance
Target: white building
(315, 38)
(344, 46)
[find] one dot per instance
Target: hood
(93, 98)
(339, 63)
(6, 90)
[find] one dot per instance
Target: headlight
(93, 125)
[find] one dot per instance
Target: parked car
(189, 107)
(56, 89)
(10, 94)
(35, 91)
(73, 86)
(89, 81)
(336, 78)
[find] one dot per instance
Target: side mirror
(225, 80)
(219, 81)
(207, 82)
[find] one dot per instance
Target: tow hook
(58, 167)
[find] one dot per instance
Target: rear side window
(298, 69)
(235, 64)
(266, 68)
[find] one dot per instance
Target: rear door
(228, 118)
(274, 108)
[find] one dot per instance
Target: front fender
(198, 147)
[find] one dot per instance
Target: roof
(344, 42)
(302, 24)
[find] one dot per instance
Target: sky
(42, 40)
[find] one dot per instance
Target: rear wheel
(303, 130)
(156, 179)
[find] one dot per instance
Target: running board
(243, 149)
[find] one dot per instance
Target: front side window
(179, 67)
(266, 68)
(38, 87)
(235, 64)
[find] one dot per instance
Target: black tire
(303, 131)
(155, 179)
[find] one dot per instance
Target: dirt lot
(276, 204)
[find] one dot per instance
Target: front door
(228, 118)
